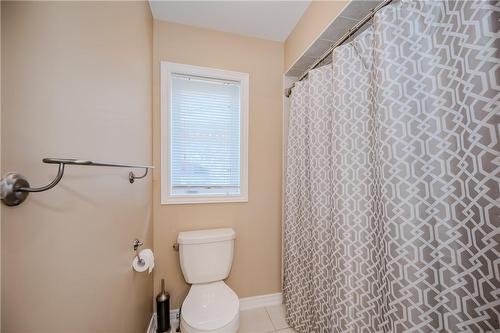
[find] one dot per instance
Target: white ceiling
(273, 20)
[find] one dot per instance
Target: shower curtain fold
(392, 212)
(309, 202)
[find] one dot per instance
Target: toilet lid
(210, 306)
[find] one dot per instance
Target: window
(204, 135)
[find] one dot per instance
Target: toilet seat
(210, 307)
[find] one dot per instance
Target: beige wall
(315, 20)
(257, 263)
(1, 172)
(76, 82)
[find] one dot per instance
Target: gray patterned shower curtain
(392, 205)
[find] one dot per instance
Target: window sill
(187, 200)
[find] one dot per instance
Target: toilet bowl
(206, 257)
(211, 307)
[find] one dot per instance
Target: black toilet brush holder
(163, 310)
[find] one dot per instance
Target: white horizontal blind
(205, 136)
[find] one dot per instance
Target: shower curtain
(392, 209)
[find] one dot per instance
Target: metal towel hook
(14, 187)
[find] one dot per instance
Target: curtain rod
(339, 42)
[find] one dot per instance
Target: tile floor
(264, 320)
(261, 320)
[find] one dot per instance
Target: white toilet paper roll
(147, 263)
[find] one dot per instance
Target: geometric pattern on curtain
(307, 231)
(437, 79)
(357, 210)
(392, 209)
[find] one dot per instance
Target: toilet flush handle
(176, 246)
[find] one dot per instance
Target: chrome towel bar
(14, 188)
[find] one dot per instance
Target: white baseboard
(260, 301)
(246, 303)
(174, 315)
(174, 322)
(152, 324)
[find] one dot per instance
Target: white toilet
(206, 257)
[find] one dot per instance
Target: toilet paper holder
(137, 244)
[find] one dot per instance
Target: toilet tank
(206, 255)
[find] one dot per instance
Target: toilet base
(232, 327)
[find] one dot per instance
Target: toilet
(206, 257)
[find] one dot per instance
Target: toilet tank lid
(206, 236)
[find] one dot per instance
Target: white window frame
(167, 69)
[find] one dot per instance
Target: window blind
(205, 136)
